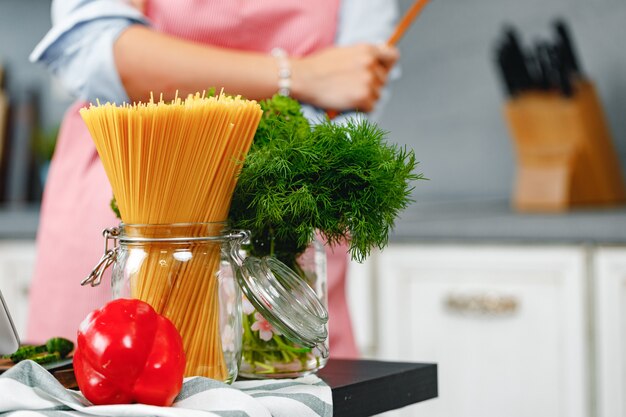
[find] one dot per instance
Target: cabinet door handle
(483, 303)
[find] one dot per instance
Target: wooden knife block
(564, 151)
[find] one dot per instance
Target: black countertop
(367, 387)
(489, 221)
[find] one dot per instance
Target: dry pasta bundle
(177, 162)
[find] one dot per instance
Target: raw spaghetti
(177, 162)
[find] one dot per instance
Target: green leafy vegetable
(46, 357)
(115, 208)
(25, 352)
(59, 345)
(54, 349)
(343, 180)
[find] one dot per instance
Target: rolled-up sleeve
(78, 49)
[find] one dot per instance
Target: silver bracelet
(284, 71)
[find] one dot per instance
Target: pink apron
(75, 207)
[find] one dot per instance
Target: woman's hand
(343, 78)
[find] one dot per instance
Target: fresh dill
(345, 181)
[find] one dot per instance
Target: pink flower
(265, 329)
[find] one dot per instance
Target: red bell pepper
(126, 353)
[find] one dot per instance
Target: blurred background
(522, 306)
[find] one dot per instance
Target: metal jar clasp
(109, 257)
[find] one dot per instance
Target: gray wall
(448, 104)
(22, 24)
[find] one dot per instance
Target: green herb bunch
(345, 181)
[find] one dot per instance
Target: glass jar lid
(285, 300)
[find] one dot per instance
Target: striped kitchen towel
(28, 390)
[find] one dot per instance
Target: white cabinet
(506, 326)
(610, 324)
(17, 258)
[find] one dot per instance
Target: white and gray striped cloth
(28, 390)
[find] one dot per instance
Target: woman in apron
(120, 51)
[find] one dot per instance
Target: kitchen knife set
(565, 154)
(547, 65)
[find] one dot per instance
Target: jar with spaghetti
(271, 352)
(193, 274)
(183, 272)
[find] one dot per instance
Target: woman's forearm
(152, 62)
(339, 78)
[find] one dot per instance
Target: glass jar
(267, 352)
(193, 274)
(184, 271)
